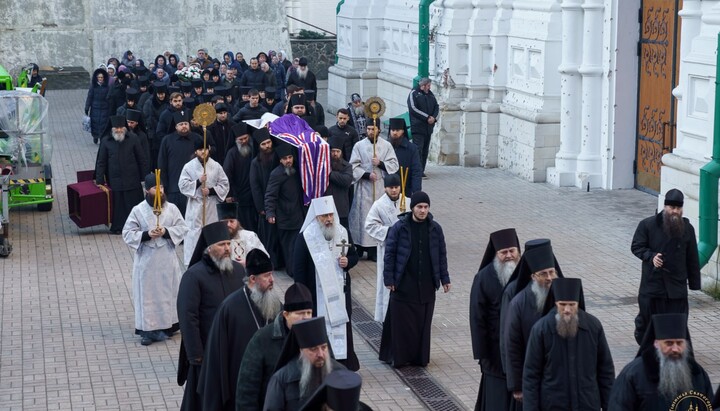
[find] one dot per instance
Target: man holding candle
(205, 184)
(372, 159)
(153, 229)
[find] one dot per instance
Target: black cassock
(522, 315)
(635, 388)
(235, 323)
(567, 373)
(485, 296)
(259, 177)
(237, 169)
(202, 289)
(304, 267)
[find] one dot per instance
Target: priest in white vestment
(242, 241)
(370, 166)
(322, 257)
(214, 190)
(156, 268)
(383, 214)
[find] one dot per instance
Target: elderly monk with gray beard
(535, 276)
(238, 318)
(501, 257)
(323, 255)
(237, 169)
(302, 367)
(667, 246)
(122, 163)
(662, 371)
(212, 276)
(568, 365)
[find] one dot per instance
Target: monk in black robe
(239, 316)
(533, 284)
(568, 365)
(415, 267)
(212, 276)
(237, 168)
(260, 168)
(501, 257)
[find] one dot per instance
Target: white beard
(302, 74)
(118, 136)
(309, 375)
(675, 375)
(540, 294)
(328, 232)
(224, 264)
(244, 150)
(268, 302)
(504, 270)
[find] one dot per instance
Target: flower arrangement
(189, 73)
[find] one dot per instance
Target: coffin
(89, 204)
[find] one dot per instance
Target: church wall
(695, 121)
(87, 32)
(320, 13)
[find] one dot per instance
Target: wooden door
(658, 52)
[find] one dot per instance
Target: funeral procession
(392, 205)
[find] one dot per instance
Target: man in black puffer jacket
(415, 267)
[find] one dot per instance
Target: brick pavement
(66, 325)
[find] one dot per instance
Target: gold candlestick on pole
(374, 108)
(204, 115)
(157, 201)
(403, 180)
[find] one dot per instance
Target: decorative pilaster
(589, 161)
(564, 173)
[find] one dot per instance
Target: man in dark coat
(341, 179)
(284, 203)
(253, 76)
(152, 109)
(303, 77)
(568, 365)
(347, 134)
(322, 259)
(663, 370)
(501, 257)
(221, 130)
(315, 107)
(97, 106)
(407, 155)
(304, 363)
(143, 84)
(667, 247)
(264, 348)
(166, 122)
(237, 168)
(260, 168)
(239, 316)
(357, 120)
(212, 277)
(135, 126)
(424, 110)
(510, 291)
(535, 276)
(415, 267)
(122, 164)
(252, 109)
(175, 151)
(131, 98)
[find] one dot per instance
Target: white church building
(613, 94)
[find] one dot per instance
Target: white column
(499, 50)
(589, 165)
(570, 98)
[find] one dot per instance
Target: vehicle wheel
(5, 247)
(45, 206)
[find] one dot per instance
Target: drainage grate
(425, 387)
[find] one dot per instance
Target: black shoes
(95, 140)
(149, 337)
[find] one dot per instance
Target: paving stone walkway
(66, 319)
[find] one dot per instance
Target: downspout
(337, 11)
(709, 176)
(423, 41)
